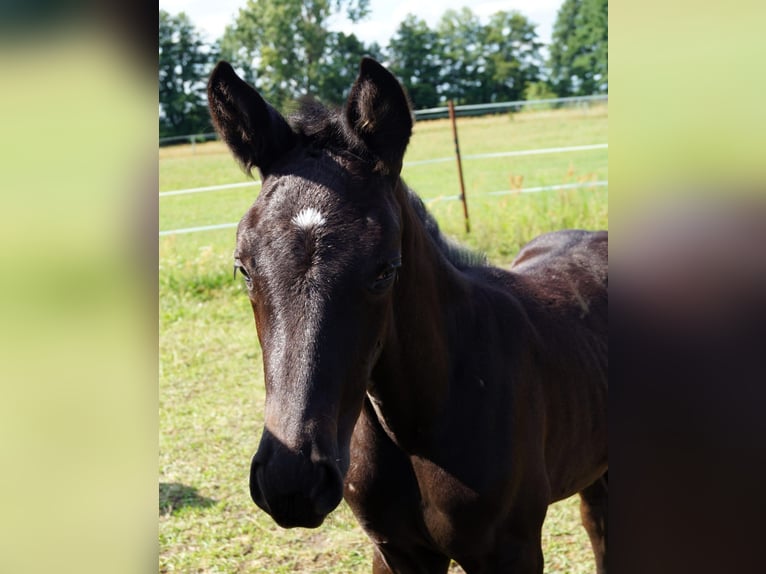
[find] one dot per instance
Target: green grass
(211, 382)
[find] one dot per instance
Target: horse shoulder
(562, 279)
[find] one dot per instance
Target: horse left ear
(378, 112)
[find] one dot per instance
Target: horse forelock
(323, 127)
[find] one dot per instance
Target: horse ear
(378, 112)
(254, 131)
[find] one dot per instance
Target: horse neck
(410, 379)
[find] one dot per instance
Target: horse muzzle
(294, 489)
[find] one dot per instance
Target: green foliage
(539, 91)
(462, 57)
(579, 51)
(464, 60)
(285, 49)
(282, 45)
(513, 56)
(413, 56)
(184, 63)
(339, 66)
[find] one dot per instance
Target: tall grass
(211, 381)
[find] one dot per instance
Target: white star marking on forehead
(308, 218)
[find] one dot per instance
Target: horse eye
(388, 273)
(242, 270)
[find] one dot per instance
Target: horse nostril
(256, 492)
(295, 490)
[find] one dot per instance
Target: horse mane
(323, 127)
(460, 256)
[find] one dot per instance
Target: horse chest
(458, 518)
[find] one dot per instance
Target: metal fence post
(459, 166)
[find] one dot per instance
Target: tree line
(284, 48)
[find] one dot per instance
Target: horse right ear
(254, 131)
(378, 112)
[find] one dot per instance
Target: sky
(212, 16)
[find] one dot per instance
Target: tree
(280, 44)
(594, 34)
(579, 48)
(184, 64)
(513, 56)
(414, 56)
(339, 66)
(563, 47)
(463, 58)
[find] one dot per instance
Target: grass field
(211, 382)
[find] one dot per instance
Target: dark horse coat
(449, 402)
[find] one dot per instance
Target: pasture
(211, 384)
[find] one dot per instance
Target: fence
(440, 112)
(501, 107)
(468, 110)
(429, 202)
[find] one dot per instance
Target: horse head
(319, 251)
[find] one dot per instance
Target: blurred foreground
(78, 417)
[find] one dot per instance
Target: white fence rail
(442, 112)
(411, 164)
(499, 107)
(209, 188)
(602, 183)
(429, 201)
(431, 113)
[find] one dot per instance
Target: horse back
(566, 270)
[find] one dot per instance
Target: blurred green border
(78, 421)
(686, 100)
